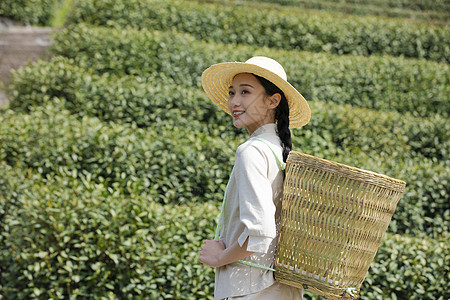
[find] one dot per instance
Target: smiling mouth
(237, 114)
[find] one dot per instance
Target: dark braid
(281, 115)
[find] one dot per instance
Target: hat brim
(217, 79)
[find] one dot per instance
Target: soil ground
(18, 46)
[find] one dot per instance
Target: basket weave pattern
(333, 220)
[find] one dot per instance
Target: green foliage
(409, 268)
(435, 12)
(168, 164)
(382, 83)
(160, 101)
(406, 268)
(388, 143)
(317, 32)
(104, 141)
(391, 134)
(32, 12)
(405, 4)
(60, 12)
(70, 238)
(147, 102)
(181, 164)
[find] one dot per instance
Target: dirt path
(19, 45)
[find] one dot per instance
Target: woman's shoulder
(253, 145)
(254, 148)
(249, 147)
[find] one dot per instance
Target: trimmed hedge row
(404, 4)
(390, 134)
(71, 238)
(168, 164)
(409, 268)
(264, 27)
(32, 12)
(436, 14)
(81, 219)
(160, 102)
(179, 164)
(156, 102)
(382, 83)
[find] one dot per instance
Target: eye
(245, 92)
(230, 93)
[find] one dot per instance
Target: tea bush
(71, 238)
(382, 83)
(409, 268)
(391, 134)
(168, 164)
(318, 32)
(178, 164)
(405, 4)
(31, 12)
(390, 143)
(106, 140)
(159, 101)
(437, 14)
(145, 101)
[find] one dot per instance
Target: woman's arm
(214, 253)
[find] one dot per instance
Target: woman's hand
(214, 254)
(211, 253)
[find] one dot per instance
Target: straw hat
(217, 79)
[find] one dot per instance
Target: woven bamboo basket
(333, 220)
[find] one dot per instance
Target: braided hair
(281, 115)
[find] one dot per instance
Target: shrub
(318, 32)
(406, 268)
(168, 164)
(159, 101)
(409, 268)
(145, 101)
(176, 164)
(404, 4)
(32, 12)
(70, 238)
(90, 208)
(381, 83)
(391, 143)
(430, 11)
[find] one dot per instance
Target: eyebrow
(244, 84)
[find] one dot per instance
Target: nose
(234, 102)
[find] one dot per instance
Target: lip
(237, 113)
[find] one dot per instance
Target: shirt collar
(268, 128)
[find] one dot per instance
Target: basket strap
(222, 210)
(282, 166)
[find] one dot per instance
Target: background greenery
(113, 161)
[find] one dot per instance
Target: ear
(274, 100)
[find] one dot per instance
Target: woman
(258, 97)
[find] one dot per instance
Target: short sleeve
(256, 207)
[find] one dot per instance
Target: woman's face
(249, 104)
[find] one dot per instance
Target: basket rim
(293, 154)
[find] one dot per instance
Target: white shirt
(252, 211)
